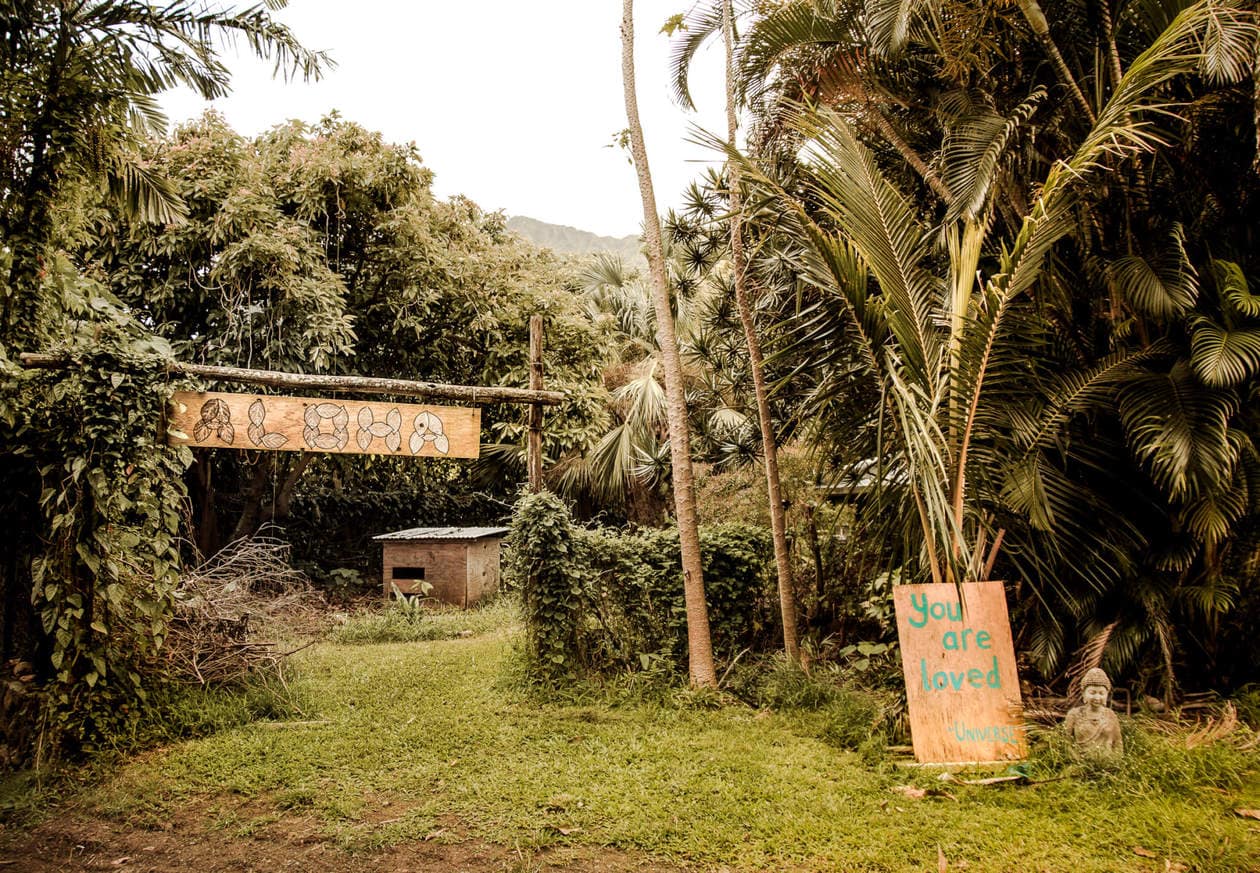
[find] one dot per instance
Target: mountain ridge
(572, 240)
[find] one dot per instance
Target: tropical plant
(78, 82)
(699, 646)
(981, 406)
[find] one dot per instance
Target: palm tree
(769, 442)
(699, 644)
(78, 81)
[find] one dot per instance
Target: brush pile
(226, 604)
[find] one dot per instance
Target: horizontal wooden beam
(475, 394)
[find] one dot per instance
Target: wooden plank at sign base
(313, 424)
(962, 686)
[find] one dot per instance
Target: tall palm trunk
(699, 645)
(769, 445)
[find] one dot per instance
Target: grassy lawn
(399, 740)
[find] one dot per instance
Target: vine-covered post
(535, 409)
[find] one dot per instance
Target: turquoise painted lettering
(1001, 733)
(919, 603)
(950, 640)
(982, 640)
(975, 678)
(994, 678)
(927, 686)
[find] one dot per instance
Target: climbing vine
(542, 558)
(111, 502)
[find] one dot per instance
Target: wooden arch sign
(310, 424)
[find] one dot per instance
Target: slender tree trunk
(1036, 19)
(769, 444)
(699, 645)
(29, 240)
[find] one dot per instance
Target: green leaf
(674, 23)
(1221, 357)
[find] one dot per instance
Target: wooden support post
(535, 409)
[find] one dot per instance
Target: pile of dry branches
(222, 606)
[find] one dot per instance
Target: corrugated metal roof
(444, 533)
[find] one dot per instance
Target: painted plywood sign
(962, 687)
(312, 424)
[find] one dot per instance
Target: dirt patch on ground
(197, 840)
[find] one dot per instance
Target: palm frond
(791, 27)
(1232, 284)
(1087, 658)
(973, 151)
(701, 23)
(1224, 357)
(1162, 287)
(883, 227)
(888, 24)
(1178, 431)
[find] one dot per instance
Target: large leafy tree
(322, 249)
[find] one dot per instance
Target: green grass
(434, 730)
(410, 622)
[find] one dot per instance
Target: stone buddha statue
(1093, 727)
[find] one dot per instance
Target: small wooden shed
(461, 563)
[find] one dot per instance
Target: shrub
(599, 599)
(543, 563)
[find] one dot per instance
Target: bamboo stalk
(363, 384)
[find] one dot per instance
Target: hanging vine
(112, 501)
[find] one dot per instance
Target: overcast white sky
(509, 102)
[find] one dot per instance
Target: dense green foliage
(544, 566)
(1012, 286)
(1007, 270)
(598, 600)
(322, 249)
(110, 507)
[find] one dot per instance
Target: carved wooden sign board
(962, 686)
(312, 424)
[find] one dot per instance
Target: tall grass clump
(830, 703)
(1159, 758)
